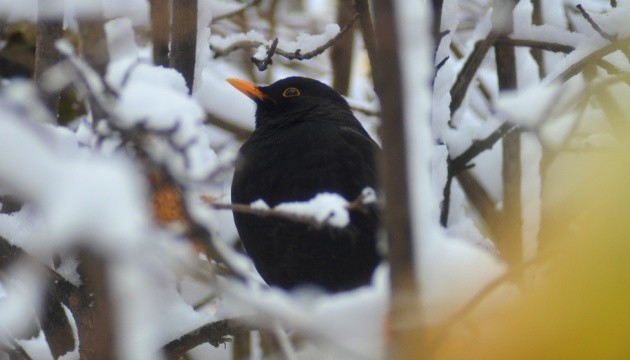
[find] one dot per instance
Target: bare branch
(458, 91)
(460, 163)
(535, 44)
(595, 26)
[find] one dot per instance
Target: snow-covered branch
(305, 47)
(325, 209)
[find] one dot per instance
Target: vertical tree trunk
(404, 313)
(538, 53)
(184, 39)
(49, 30)
(341, 54)
(94, 315)
(511, 237)
(160, 30)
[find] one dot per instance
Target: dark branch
(215, 334)
(264, 63)
(595, 26)
(458, 91)
(357, 204)
(535, 44)
(592, 58)
(367, 29)
(297, 54)
(460, 163)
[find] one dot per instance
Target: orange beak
(247, 88)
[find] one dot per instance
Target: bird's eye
(291, 92)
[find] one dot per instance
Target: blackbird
(306, 141)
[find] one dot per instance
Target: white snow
(21, 295)
(350, 323)
(303, 42)
(529, 106)
(437, 256)
(324, 208)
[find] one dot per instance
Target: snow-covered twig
(323, 210)
(273, 49)
(262, 64)
(461, 163)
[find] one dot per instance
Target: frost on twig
(325, 209)
(305, 47)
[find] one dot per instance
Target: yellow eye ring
(291, 92)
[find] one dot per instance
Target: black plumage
(306, 141)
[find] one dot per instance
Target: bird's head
(287, 98)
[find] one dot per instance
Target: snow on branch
(325, 209)
(306, 46)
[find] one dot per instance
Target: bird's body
(304, 145)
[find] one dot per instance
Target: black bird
(306, 141)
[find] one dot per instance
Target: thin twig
(297, 54)
(594, 25)
(536, 44)
(358, 204)
(458, 91)
(576, 67)
(460, 163)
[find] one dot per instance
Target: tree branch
(273, 49)
(594, 25)
(160, 25)
(358, 204)
(535, 44)
(184, 39)
(215, 333)
(593, 57)
(465, 76)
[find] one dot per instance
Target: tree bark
(341, 54)
(394, 183)
(184, 39)
(510, 241)
(93, 314)
(160, 30)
